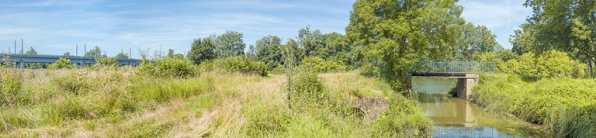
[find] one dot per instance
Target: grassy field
(118, 102)
(564, 106)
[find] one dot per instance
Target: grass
(118, 102)
(563, 106)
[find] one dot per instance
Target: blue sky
(57, 26)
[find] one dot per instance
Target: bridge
(20, 59)
(464, 72)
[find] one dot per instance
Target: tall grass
(565, 106)
(120, 102)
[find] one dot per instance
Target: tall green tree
(171, 53)
(401, 33)
(309, 40)
(565, 25)
(474, 40)
(95, 52)
(202, 49)
(31, 51)
(268, 50)
(67, 54)
(121, 55)
(230, 44)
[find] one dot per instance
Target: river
(455, 117)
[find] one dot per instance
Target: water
(455, 117)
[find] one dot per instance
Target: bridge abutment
(465, 85)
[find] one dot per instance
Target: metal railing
(455, 67)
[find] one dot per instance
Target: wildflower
(383, 116)
(368, 110)
(386, 98)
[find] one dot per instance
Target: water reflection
(446, 111)
(455, 117)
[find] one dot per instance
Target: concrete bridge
(464, 72)
(20, 59)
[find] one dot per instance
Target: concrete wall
(465, 85)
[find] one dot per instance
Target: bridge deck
(444, 75)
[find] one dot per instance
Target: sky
(54, 27)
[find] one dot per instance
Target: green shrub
(244, 65)
(402, 119)
(320, 65)
(61, 63)
(108, 61)
(562, 104)
(174, 67)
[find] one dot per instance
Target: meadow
(108, 101)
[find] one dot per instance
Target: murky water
(455, 117)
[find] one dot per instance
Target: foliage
(174, 67)
(319, 65)
(121, 55)
(401, 33)
(269, 51)
(61, 63)
(561, 104)
(95, 52)
(202, 50)
(67, 54)
(229, 44)
(245, 65)
(402, 119)
(566, 26)
(107, 61)
(548, 64)
(473, 41)
(31, 51)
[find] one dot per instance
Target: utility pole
(22, 50)
(15, 46)
(77, 53)
(129, 55)
(85, 50)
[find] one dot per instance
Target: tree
(473, 41)
(230, 44)
(67, 54)
(268, 51)
(202, 50)
(565, 25)
(401, 33)
(171, 53)
(121, 55)
(309, 40)
(31, 51)
(61, 63)
(95, 52)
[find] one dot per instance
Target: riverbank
(118, 102)
(564, 106)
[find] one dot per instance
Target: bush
(549, 64)
(244, 65)
(174, 67)
(563, 105)
(61, 63)
(168, 67)
(108, 61)
(320, 65)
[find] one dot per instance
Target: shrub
(320, 65)
(174, 67)
(244, 65)
(61, 63)
(108, 61)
